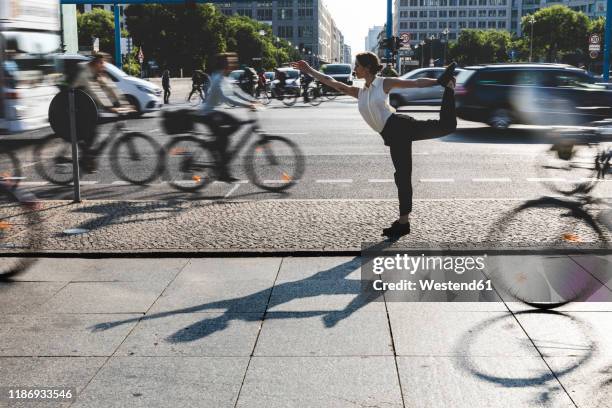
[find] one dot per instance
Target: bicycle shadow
(283, 293)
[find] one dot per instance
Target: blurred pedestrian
(166, 86)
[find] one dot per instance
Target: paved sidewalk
(287, 332)
(287, 226)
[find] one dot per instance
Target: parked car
(537, 94)
(269, 78)
(340, 72)
(234, 76)
(419, 96)
(143, 95)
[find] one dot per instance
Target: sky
(355, 17)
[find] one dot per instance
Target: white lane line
(540, 179)
(335, 181)
(33, 183)
(437, 180)
(380, 180)
(120, 183)
(595, 180)
(492, 180)
(233, 182)
(229, 193)
(88, 183)
(278, 181)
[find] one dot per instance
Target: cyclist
(92, 79)
(199, 83)
(305, 81)
(281, 77)
(222, 124)
(261, 82)
(248, 80)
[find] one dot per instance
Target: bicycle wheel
(136, 158)
(10, 169)
(274, 163)
(290, 96)
(263, 98)
(54, 160)
(190, 165)
(546, 223)
(313, 97)
(20, 227)
(570, 169)
(330, 94)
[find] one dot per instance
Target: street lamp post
(422, 52)
(532, 21)
(431, 48)
(445, 32)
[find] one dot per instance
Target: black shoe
(397, 230)
(448, 74)
(227, 178)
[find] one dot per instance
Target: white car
(143, 95)
(419, 96)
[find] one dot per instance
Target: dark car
(535, 94)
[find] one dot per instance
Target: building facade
(426, 18)
(348, 57)
(371, 40)
(307, 24)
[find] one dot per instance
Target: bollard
(75, 148)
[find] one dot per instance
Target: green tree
(481, 46)
(557, 30)
(100, 24)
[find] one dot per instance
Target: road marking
(335, 181)
(595, 180)
(279, 181)
(233, 182)
(493, 180)
(33, 183)
(87, 183)
(540, 179)
(120, 183)
(437, 180)
(231, 191)
(381, 180)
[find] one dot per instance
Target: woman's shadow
(329, 282)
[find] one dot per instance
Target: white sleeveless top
(374, 105)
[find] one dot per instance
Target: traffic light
(398, 43)
(385, 43)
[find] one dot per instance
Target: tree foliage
(481, 46)
(98, 23)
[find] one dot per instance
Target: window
(304, 14)
(443, 3)
(462, 13)
(304, 3)
(571, 80)
(433, 24)
(482, 24)
(452, 24)
(473, 2)
(452, 3)
(491, 24)
(501, 24)
(245, 12)
(285, 14)
(413, 14)
(463, 2)
(462, 24)
(305, 31)
(492, 13)
(403, 14)
(421, 36)
(264, 14)
(501, 13)
(472, 24)
(422, 25)
(423, 14)
(452, 13)
(403, 25)
(452, 36)
(227, 12)
(285, 3)
(472, 13)
(442, 14)
(414, 3)
(442, 24)
(433, 14)
(413, 25)
(482, 13)
(285, 31)
(80, 8)
(497, 77)
(482, 2)
(404, 3)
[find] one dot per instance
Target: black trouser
(222, 125)
(167, 94)
(399, 133)
(194, 89)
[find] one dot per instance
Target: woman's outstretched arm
(391, 83)
(326, 80)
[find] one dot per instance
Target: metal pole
(75, 147)
(117, 38)
(531, 41)
(390, 25)
(608, 35)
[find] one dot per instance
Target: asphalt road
(345, 160)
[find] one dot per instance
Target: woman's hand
(302, 66)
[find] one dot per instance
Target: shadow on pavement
(507, 136)
(272, 297)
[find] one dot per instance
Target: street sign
(594, 39)
(96, 45)
(594, 54)
(594, 47)
(140, 56)
(405, 37)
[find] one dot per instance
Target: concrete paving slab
(328, 267)
(355, 333)
(104, 269)
(230, 269)
(589, 383)
(569, 334)
(60, 335)
(44, 372)
(322, 295)
(148, 382)
(26, 297)
(458, 333)
(106, 297)
(479, 382)
(246, 296)
(287, 382)
(194, 334)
